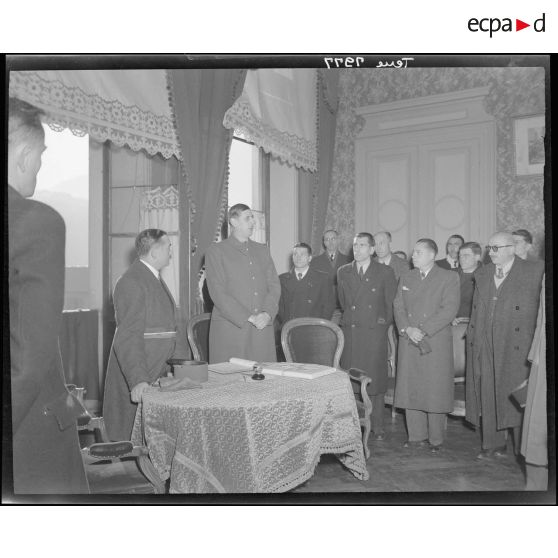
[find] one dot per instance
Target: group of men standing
(364, 297)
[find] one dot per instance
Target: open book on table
(292, 369)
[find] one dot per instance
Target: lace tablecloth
(239, 435)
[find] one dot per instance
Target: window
(63, 183)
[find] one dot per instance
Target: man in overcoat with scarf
(499, 336)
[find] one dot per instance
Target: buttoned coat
(444, 264)
(242, 281)
(512, 328)
(399, 266)
(142, 304)
(46, 454)
(309, 297)
(323, 263)
(425, 382)
(367, 306)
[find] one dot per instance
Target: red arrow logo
(519, 25)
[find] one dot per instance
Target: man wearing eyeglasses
(503, 320)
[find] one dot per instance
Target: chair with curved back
(459, 349)
(197, 331)
(318, 341)
(392, 368)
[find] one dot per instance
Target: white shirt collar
(364, 266)
(453, 263)
(151, 268)
(303, 271)
(506, 267)
(427, 271)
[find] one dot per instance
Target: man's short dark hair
(430, 244)
(303, 245)
(367, 235)
(146, 239)
(24, 122)
(525, 234)
(237, 210)
(456, 236)
(330, 230)
(475, 247)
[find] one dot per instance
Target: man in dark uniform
(305, 292)
(329, 262)
(470, 255)
(245, 290)
(451, 261)
(366, 292)
(46, 453)
(500, 333)
(145, 336)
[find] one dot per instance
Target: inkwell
(257, 375)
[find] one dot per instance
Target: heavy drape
(199, 100)
(328, 81)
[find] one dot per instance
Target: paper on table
(291, 369)
(228, 368)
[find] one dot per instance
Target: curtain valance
(127, 107)
(277, 112)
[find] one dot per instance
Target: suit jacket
(399, 266)
(242, 281)
(323, 263)
(142, 304)
(511, 328)
(310, 297)
(425, 382)
(444, 264)
(367, 306)
(46, 453)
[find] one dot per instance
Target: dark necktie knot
(361, 272)
(422, 275)
(332, 257)
(299, 276)
(499, 273)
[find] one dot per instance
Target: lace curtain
(277, 112)
(127, 107)
(159, 210)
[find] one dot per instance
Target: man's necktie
(422, 275)
(360, 273)
(499, 273)
(454, 264)
(332, 257)
(299, 275)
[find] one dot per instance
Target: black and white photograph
(278, 279)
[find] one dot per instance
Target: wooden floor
(396, 469)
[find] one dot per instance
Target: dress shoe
(379, 437)
(501, 452)
(436, 448)
(485, 454)
(419, 444)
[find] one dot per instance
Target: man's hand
(137, 392)
(415, 334)
(260, 320)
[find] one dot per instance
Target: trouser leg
(417, 425)
(491, 437)
(436, 428)
(377, 418)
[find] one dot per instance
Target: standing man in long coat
(426, 303)
(46, 453)
(500, 333)
(329, 262)
(366, 291)
(245, 290)
(146, 333)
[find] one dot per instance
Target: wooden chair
(318, 341)
(392, 369)
(116, 467)
(197, 331)
(459, 352)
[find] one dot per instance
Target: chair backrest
(458, 332)
(197, 331)
(312, 340)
